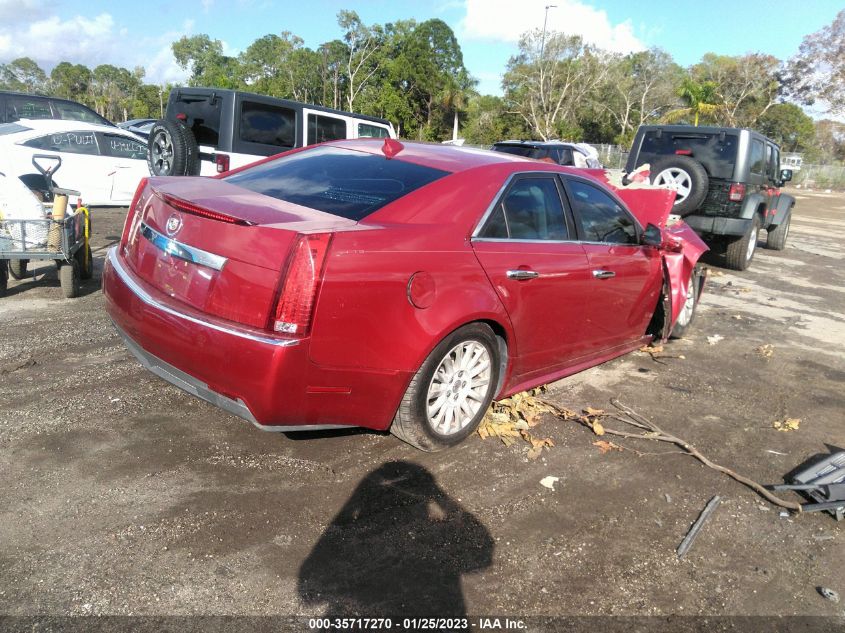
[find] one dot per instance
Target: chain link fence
(820, 177)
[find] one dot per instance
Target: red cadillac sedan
(392, 285)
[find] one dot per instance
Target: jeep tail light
(683, 152)
(222, 162)
(736, 192)
(301, 285)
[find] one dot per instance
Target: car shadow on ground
(399, 545)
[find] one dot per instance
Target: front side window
(530, 210)
(758, 161)
(342, 182)
(601, 217)
(325, 128)
(365, 130)
(82, 142)
(122, 147)
(267, 124)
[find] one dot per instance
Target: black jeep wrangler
(727, 183)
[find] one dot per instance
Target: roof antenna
(391, 147)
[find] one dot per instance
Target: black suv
(727, 183)
(558, 152)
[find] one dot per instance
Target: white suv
(207, 131)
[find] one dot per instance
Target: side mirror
(652, 236)
(785, 175)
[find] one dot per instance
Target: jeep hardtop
(727, 183)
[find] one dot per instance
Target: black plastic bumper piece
(711, 225)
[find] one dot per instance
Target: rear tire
(687, 177)
(776, 238)
(17, 268)
(69, 278)
(740, 251)
(451, 392)
(173, 150)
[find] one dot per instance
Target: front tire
(687, 315)
(451, 392)
(776, 238)
(741, 251)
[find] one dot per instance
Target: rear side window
(202, 115)
(22, 107)
(530, 210)
(717, 152)
(365, 130)
(267, 124)
(757, 157)
(122, 147)
(526, 151)
(342, 182)
(325, 128)
(70, 142)
(602, 219)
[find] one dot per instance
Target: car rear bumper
(269, 381)
(711, 225)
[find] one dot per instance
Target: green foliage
(24, 75)
(787, 124)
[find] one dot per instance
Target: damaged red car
(393, 286)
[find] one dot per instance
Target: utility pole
(545, 20)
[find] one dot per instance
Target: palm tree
(700, 98)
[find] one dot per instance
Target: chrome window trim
(182, 251)
(144, 296)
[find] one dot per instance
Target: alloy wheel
(458, 388)
(676, 179)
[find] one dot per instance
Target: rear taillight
(736, 192)
(133, 209)
(301, 285)
(194, 209)
(222, 162)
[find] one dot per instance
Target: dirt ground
(123, 495)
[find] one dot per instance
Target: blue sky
(128, 34)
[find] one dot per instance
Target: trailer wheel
(69, 278)
(17, 268)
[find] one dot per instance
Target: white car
(104, 163)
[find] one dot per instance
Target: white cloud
(505, 20)
(90, 41)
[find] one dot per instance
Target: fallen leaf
(790, 424)
(521, 425)
(605, 446)
(598, 429)
(591, 411)
(766, 351)
(712, 340)
(549, 482)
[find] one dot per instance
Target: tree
(745, 87)
(700, 98)
(361, 42)
(548, 88)
(817, 72)
(71, 81)
(639, 88)
(23, 74)
(265, 65)
(488, 121)
(204, 59)
(787, 124)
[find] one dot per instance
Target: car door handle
(522, 275)
(603, 274)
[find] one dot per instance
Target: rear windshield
(715, 151)
(203, 116)
(342, 182)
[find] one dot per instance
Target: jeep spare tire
(173, 150)
(686, 177)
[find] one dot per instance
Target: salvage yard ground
(122, 495)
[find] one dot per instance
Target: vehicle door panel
(546, 305)
(625, 276)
